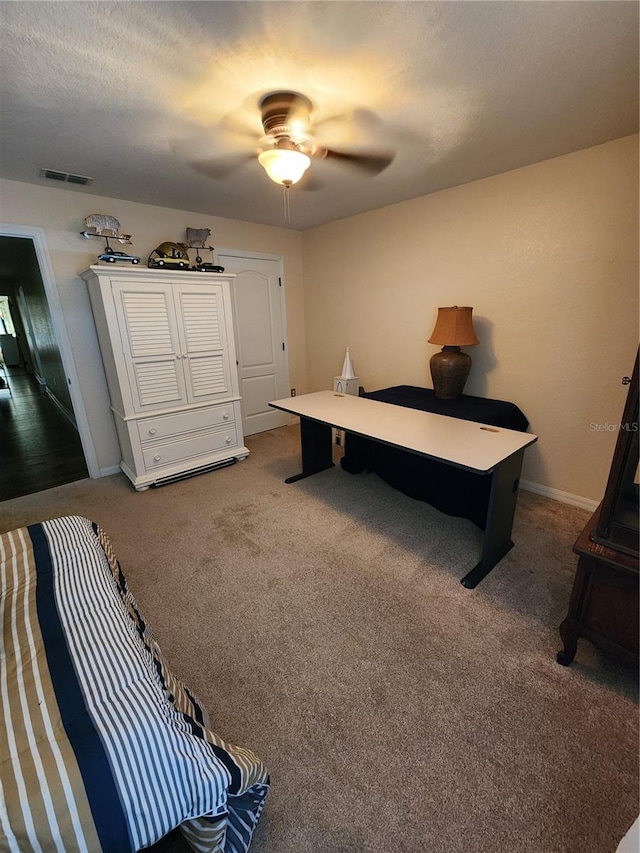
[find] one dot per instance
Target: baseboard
(64, 411)
(107, 472)
(557, 495)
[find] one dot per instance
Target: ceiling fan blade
(372, 162)
(224, 143)
(233, 131)
(222, 167)
(358, 129)
(310, 183)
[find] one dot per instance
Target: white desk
(484, 449)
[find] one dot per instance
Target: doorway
(40, 443)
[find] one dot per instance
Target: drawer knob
(156, 458)
(152, 432)
(227, 440)
(225, 417)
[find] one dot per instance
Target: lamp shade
(283, 165)
(454, 328)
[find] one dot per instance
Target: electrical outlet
(293, 392)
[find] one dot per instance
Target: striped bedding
(101, 747)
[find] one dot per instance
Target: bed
(102, 748)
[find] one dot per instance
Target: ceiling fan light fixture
(283, 165)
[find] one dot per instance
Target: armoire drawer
(166, 426)
(202, 444)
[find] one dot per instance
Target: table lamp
(450, 367)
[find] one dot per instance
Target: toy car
(169, 255)
(208, 268)
(178, 263)
(112, 256)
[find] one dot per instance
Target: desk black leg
(317, 453)
(502, 506)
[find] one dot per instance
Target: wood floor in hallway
(39, 447)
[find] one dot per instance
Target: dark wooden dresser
(604, 604)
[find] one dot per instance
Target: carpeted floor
(324, 625)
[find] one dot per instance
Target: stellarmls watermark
(631, 426)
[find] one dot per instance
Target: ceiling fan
(289, 144)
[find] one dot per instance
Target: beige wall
(547, 256)
(61, 214)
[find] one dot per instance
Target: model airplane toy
(104, 226)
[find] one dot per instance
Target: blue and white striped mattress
(101, 747)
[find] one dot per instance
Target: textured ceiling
(133, 93)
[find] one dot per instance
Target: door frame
(265, 256)
(36, 235)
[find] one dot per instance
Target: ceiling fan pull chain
(287, 205)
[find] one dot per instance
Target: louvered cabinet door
(151, 344)
(205, 349)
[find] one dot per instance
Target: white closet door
(259, 312)
(204, 343)
(151, 344)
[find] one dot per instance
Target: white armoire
(167, 345)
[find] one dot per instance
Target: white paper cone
(347, 367)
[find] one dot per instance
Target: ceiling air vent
(55, 175)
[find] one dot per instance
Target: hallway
(39, 448)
